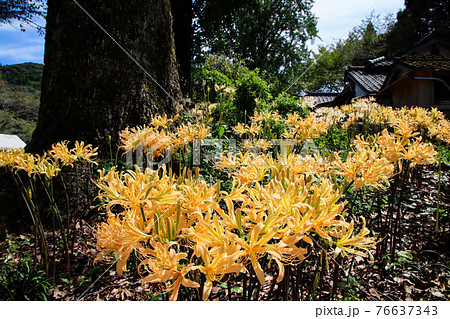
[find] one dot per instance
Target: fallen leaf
(374, 293)
(436, 293)
(128, 293)
(215, 290)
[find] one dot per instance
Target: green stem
(75, 214)
(143, 216)
(439, 196)
(48, 187)
(399, 215)
(335, 276)
(67, 201)
(33, 208)
(53, 250)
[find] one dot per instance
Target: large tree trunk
(183, 14)
(91, 89)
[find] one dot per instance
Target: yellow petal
(281, 273)
(175, 288)
(189, 283)
(207, 290)
(258, 270)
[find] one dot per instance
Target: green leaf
(406, 255)
(342, 285)
(221, 131)
(224, 285)
(239, 290)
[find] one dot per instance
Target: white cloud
(19, 47)
(9, 28)
(21, 54)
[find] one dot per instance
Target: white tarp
(11, 141)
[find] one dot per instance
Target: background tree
(270, 35)
(91, 89)
(419, 19)
(327, 67)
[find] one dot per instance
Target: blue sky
(18, 47)
(336, 18)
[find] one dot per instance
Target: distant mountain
(20, 89)
(28, 75)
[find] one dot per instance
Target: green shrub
(20, 278)
(249, 89)
(204, 83)
(23, 281)
(286, 103)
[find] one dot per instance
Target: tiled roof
(384, 63)
(438, 63)
(381, 58)
(322, 97)
(370, 82)
(380, 62)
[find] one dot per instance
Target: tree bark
(91, 89)
(182, 13)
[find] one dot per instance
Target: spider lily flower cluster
(42, 171)
(280, 209)
(49, 164)
(160, 135)
(181, 226)
(275, 209)
(429, 123)
(178, 226)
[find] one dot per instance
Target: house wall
(359, 91)
(386, 99)
(413, 93)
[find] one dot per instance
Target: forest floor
(421, 270)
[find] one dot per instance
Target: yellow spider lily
(254, 145)
(162, 121)
(359, 244)
(11, 157)
(122, 235)
(136, 189)
(240, 129)
(364, 168)
(60, 151)
(419, 153)
(259, 117)
(164, 265)
(216, 262)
